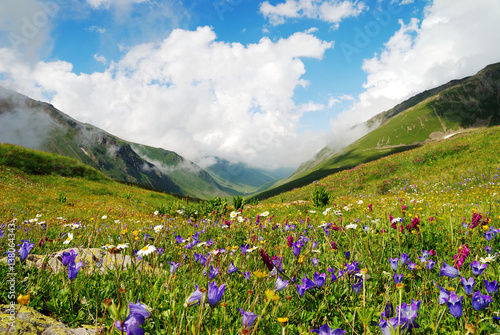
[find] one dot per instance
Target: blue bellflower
(448, 271)
(319, 279)
(25, 249)
(491, 287)
(326, 330)
(398, 278)
(173, 267)
(248, 318)
(454, 304)
(480, 301)
(215, 293)
(194, 298)
(468, 285)
(73, 270)
(394, 263)
(68, 257)
(136, 317)
(477, 268)
(280, 284)
(232, 268)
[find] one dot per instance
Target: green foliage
(320, 197)
(42, 163)
(216, 206)
(238, 202)
(61, 198)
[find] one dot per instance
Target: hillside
(455, 107)
(40, 126)
(452, 162)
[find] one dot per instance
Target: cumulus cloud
(26, 25)
(454, 39)
(332, 11)
(190, 94)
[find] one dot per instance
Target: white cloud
(190, 94)
(26, 25)
(332, 11)
(455, 39)
(100, 58)
(97, 29)
(108, 3)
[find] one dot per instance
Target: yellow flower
(301, 259)
(23, 299)
(124, 231)
(283, 321)
(260, 274)
(272, 296)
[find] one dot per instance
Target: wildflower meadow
(406, 244)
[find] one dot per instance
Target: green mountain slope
(242, 178)
(432, 115)
(451, 162)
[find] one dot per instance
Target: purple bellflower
(280, 284)
(477, 268)
(215, 293)
(394, 263)
(194, 298)
(68, 257)
(491, 287)
(25, 249)
(73, 269)
(232, 268)
(326, 330)
(319, 279)
(448, 271)
(136, 317)
(480, 301)
(455, 305)
(248, 318)
(468, 285)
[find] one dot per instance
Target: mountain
(38, 125)
(455, 107)
(240, 178)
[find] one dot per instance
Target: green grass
(441, 184)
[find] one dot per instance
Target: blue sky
(268, 83)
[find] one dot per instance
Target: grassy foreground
(405, 244)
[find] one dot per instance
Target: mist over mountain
(38, 125)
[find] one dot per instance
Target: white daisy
(107, 246)
(122, 246)
(158, 228)
(104, 217)
(233, 214)
(266, 213)
(69, 239)
(488, 259)
(351, 226)
(146, 250)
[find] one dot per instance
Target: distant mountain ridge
(431, 115)
(39, 125)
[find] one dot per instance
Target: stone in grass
(95, 259)
(31, 322)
